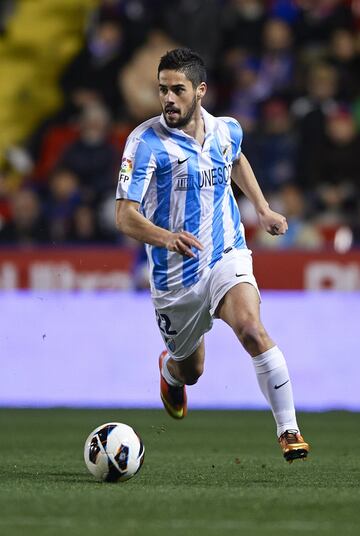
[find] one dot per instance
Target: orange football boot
(293, 446)
(173, 397)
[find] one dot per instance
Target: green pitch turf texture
(215, 473)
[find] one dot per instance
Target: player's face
(178, 98)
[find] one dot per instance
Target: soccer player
(174, 194)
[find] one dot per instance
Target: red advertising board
(307, 270)
(111, 267)
(66, 268)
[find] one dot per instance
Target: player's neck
(196, 127)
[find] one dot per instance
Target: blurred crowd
(288, 70)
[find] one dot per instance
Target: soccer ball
(114, 452)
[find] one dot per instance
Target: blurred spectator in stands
(277, 148)
(356, 231)
(335, 179)
(310, 111)
(185, 22)
(355, 11)
(227, 77)
(138, 80)
(317, 20)
(321, 91)
(93, 71)
(84, 228)
(58, 137)
(137, 17)
(246, 93)
(89, 79)
(93, 157)
(27, 226)
(7, 8)
(276, 61)
(344, 56)
(257, 79)
(51, 141)
(283, 9)
(63, 198)
(242, 24)
(301, 232)
(5, 210)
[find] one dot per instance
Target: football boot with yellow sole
(173, 397)
(293, 446)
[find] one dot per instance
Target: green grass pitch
(215, 473)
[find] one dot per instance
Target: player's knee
(251, 333)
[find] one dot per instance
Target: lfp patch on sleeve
(125, 170)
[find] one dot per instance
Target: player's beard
(185, 120)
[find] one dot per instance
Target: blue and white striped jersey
(182, 185)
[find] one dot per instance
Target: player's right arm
(138, 166)
(132, 223)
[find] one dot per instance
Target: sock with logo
(167, 376)
(274, 381)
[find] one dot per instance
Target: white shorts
(184, 315)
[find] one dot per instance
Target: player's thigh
(240, 309)
(239, 306)
(235, 267)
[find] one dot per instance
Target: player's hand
(182, 243)
(273, 222)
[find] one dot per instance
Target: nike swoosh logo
(239, 275)
(281, 384)
(182, 161)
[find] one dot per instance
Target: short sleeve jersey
(182, 185)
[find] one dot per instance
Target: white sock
(166, 374)
(274, 381)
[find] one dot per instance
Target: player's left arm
(243, 175)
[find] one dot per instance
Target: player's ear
(201, 90)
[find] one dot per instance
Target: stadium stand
(288, 71)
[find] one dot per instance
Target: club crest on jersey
(125, 170)
(226, 152)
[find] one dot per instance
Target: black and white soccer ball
(114, 452)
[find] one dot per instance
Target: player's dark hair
(186, 61)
